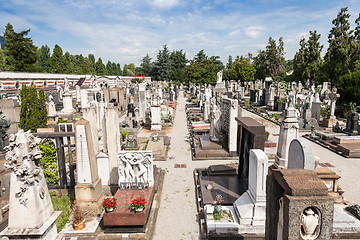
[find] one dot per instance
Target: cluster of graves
(118, 131)
(261, 197)
(107, 140)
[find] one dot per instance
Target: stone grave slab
(329, 135)
(123, 215)
(228, 187)
(221, 170)
(349, 149)
(344, 221)
(346, 139)
(207, 144)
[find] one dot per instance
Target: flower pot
(140, 209)
(217, 208)
(79, 225)
(109, 209)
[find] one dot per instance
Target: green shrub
(49, 162)
(61, 120)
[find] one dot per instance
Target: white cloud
(254, 31)
(164, 3)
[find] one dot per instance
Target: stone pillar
(297, 205)
(250, 207)
(31, 214)
(142, 102)
(112, 136)
(78, 93)
(84, 98)
(289, 130)
(88, 191)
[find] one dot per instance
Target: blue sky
(125, 31)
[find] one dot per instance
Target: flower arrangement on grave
(109, 204)
(78, 217)
(138, 204)
(209, 187)
(218, 200)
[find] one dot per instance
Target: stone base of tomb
(89, 197)
(46, 232)
(329, 122)
(351, 150)
(126, 220)
(209, 150)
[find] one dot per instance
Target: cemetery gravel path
(178, 217)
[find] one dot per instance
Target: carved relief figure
(135, 166)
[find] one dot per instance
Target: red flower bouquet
(109, 204)
(138, 204)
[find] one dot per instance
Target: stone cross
(333, 97)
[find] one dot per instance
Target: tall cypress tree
(337, 58)
(100, 68)
(57, 62)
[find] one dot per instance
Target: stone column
(142, 101)
(88, 191)
(289, 130)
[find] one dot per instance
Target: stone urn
(310, 223)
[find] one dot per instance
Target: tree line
(339, 66)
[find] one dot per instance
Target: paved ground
(177, 217)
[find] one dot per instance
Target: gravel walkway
(177, 217)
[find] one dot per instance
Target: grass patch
(62, 202)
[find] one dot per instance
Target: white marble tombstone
(88, 191)
(136, 167)
(31, 214)
(84, 98)
(250, 207)
(51, 108)
(142, 101)
(301, 155)
(289, 130)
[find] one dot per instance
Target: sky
(124, 31)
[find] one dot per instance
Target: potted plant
(138, 204)
(78, 217)
(218, 200)
(109, 204)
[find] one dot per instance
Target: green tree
(201, 70)
(338, 56)
(44, 59)
(2, 60)
(109, 68)
(163, 65)
(20, 52)
(307, 60)
(118, 69)
(33, 113)
(243, 71)
(129, 69)
(178, 65)
(271, 62)
(91, 58)
(146, 66)
(227, 74)
(100, 68)
(42, 108)
(349, 88)
(57, 62)
(217, 63)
